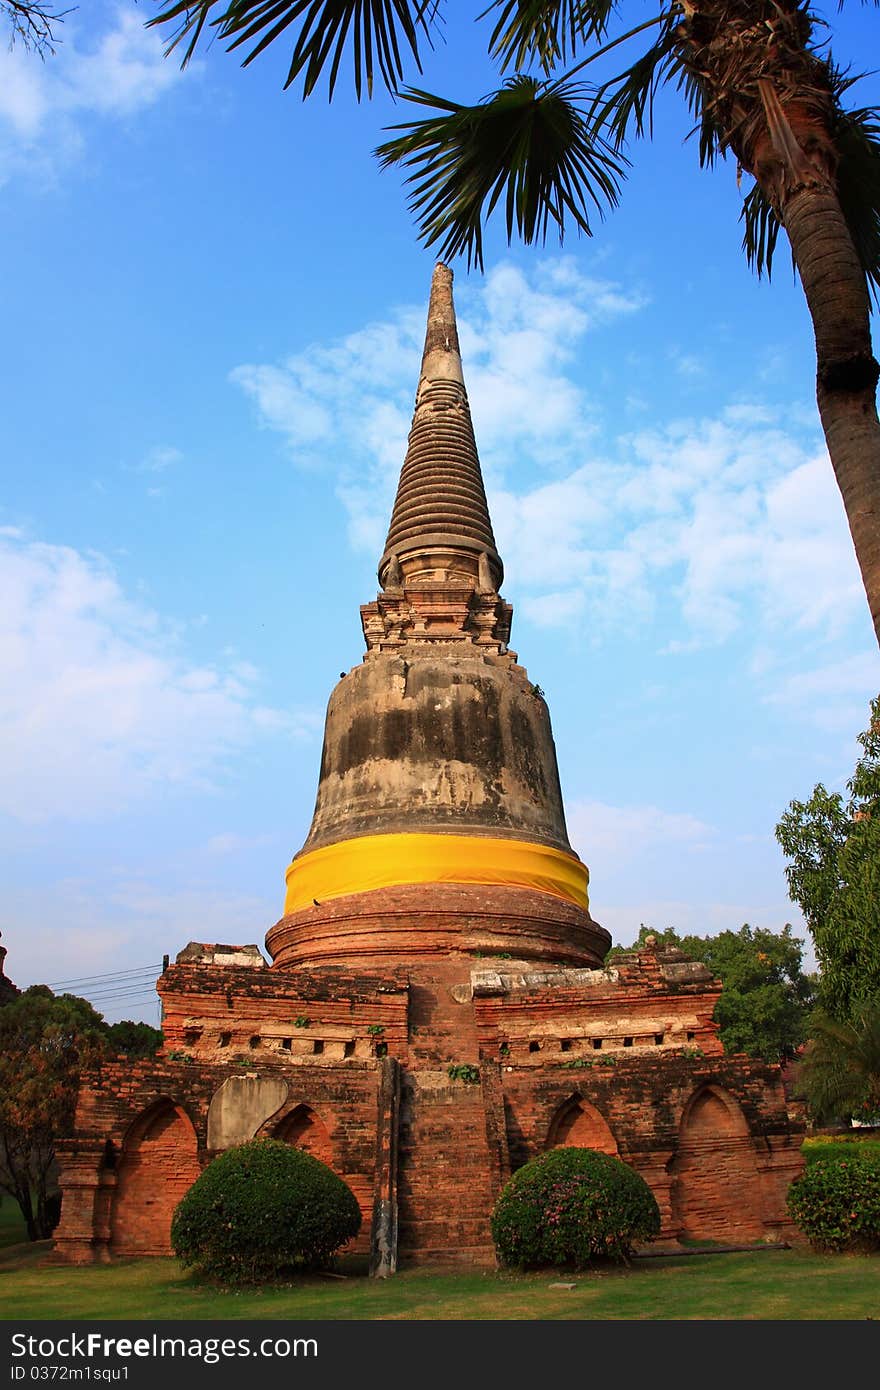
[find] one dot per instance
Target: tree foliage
(839, 1075)
(553, 145)
(764, 1007)
(579, 80)
(45, 1041)
(261, 1209)
(832, 844)
(570, 1206)
(836, 1202)
(133, 1039)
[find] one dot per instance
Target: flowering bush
(836, 1202)
(570, 1206)
(260, 1209)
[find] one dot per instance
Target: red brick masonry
(355, 1067)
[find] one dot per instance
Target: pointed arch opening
(157, 1164)
(715, 1190)
(305, 1129)
(578, 1124)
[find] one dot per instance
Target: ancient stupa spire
(438, 822)
(440, 525)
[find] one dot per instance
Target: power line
(139, 993)
(113, 975)
(145, 982)
(128, 987)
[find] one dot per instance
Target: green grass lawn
(838, 1146)
(764, 1284)
(777, 1284)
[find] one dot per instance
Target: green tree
(45, 1041)
(839, 1076)
(758, 78)
(764, 1008)
(832, 845)
(134, 1040)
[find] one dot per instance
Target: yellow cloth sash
(383, 861)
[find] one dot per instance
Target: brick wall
(426, 1152)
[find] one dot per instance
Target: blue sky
(212, 308)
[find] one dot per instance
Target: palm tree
(839, 1076)
(549, 144)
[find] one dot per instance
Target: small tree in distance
(832, 845)
(764, 1008)
(45, 1042)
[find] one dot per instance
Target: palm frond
(840, 1071)
(527, 142)
(624, 105)
(378, 32)
(712, 135)
(535, 30)
(761, 228)
(857, 139)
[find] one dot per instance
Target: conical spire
(440, 514)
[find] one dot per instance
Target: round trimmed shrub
(261, 1209)
(571, 1206)
(836, 1203)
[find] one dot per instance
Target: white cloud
(554, 610)
(836, 696)
(112, 73)
(159, 459)
(617, 835)
(231, 842)
(732, 519)
(732, 522)
(74, 928)
(355, 397)
(123, 72)
(98, 705)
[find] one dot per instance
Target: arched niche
(157, 1164)
(578, 1125)
(715, 1189)
(305, 1129)
(712, 1113)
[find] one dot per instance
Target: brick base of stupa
(425, 1085)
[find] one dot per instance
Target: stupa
(436, 1011)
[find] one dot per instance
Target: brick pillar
(82, 1235)
(496, 1124)
(383, 1232)
(777, 1169)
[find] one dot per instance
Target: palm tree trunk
(771, 98)
(846, 372)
